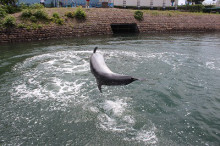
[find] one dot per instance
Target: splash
(118, 117)
(63, 77)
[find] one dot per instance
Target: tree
(8, 2)
(196, 1)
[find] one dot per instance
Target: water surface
(49, 97)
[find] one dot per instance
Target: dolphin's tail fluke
(139, 79)
(95, 49)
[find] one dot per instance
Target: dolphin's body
(103, 75)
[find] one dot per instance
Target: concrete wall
(143, 3)
(159, 3)
(118, 2)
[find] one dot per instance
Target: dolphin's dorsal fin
(95, 49)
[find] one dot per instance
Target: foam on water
(212, 65)
(116, 107)
(118, 117)
(148, 136)
(52, 76)
(114, 116)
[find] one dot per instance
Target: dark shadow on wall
(124, 28)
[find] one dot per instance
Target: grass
(33, 26)
(171, 13)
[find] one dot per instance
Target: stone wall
(99, 22)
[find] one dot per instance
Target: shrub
(23, 6)
(26, 14)
(21, 25)
(36, 6)
(2, 12)
(40, 14)
(192, 8)
(11, 9)
(33, 19)
(70, 14)
(28, 27)
(138, 15)
(1, 25)
(59, 21)
(9, 22)
(56, 15)
(39, 26)
(209, 6)
(35, 26)
(80, 14)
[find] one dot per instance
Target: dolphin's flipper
(100, 87)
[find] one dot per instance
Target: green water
(49, 97)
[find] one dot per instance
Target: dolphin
(103, 75)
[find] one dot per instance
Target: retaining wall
(99, 22)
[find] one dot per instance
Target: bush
(9, 22)
(70, 14)
(138, 15)
(36, 26)
(1, 23)
(36, 6)
(56, 15)
(192, 8)
(59, 21)
(11, 9)
(26, 14)
(56, 19)
(80, 14)
(33, 19)
(28, 27)
(40, 14)
(21, 25)
(2, 12)
(23, 6)
(39, 26)
(209, 6)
